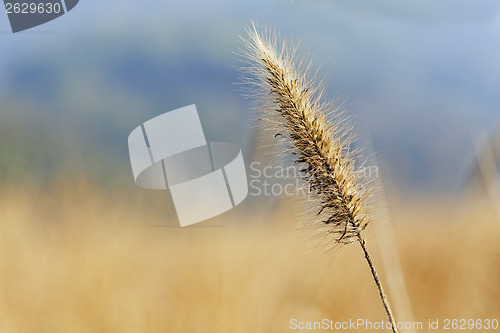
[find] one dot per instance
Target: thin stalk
(320, 145)
(379, 284)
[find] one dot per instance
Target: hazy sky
(419, 77)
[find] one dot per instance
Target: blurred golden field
(79, 258)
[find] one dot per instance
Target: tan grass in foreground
(77, 258)
(321, 147)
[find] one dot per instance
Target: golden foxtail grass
(316, 135)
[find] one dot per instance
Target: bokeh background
(83, 249)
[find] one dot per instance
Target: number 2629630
(32, 8)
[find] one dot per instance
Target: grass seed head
(314, 132)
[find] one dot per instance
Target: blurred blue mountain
(417, 77)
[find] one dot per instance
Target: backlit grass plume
(315, 134)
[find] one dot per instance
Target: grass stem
(381, 292)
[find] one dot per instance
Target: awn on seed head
(315, 136)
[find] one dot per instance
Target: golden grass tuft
(322, 148)
(313, 131)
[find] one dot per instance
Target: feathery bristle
(313, 130)
(321, 147)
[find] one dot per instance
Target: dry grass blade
(315, 135)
